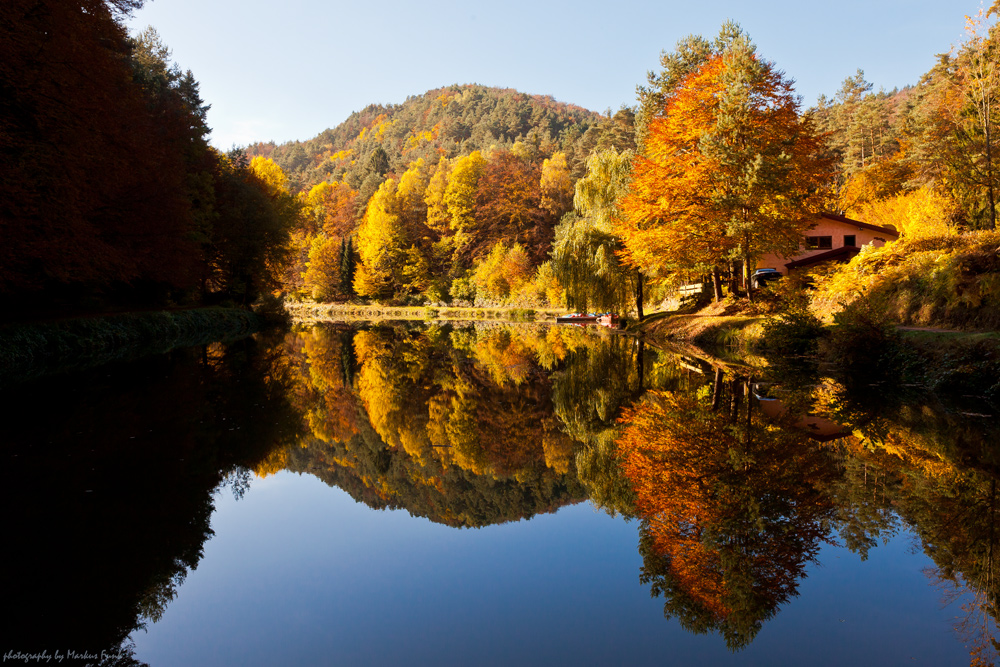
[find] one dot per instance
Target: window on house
(850, 240)
(819, 242)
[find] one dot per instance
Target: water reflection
(737, 482)
(736, 475)
(108, 483)
(456, 425)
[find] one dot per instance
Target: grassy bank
(718, 325)
(950, 281)
(862, 345)
(317, 312)
(47, 348)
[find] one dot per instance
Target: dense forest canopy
(451, 121)
(112, 195)
(453, 194)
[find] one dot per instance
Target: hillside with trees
(454, 194)
(450, 121)
(114, 199)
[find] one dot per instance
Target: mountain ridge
(448, 121)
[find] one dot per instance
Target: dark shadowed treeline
(111, 194)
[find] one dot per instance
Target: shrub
(864, 340)
(462, 289)
(793, 332)
(936, 280)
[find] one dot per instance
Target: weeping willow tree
(585, 252)
(588, 393)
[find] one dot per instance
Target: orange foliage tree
(731, 510)
(730, 170)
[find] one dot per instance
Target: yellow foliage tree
(269, 172)
(503, 272)
(922, 212)
(556, 185)
(322, 275)
(460, 195)
(438, 218)
(884, 179)
(410, 194)
(382, 244)
(329, 208)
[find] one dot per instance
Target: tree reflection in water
(456, 425)
(471, 426)
(112, 474)
(477, 425)
(732, 508)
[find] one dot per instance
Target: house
(818, 428)
(832, 238)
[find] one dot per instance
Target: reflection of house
(818, 428)
(833, 238)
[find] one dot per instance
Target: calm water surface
(492, 495)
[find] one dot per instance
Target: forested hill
(451, 121)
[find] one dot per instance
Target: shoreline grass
(304, 312)
(47, 348)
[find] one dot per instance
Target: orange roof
(860, 225)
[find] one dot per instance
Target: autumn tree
(95, 165)
(318, 243)
(954, 139)
(382, 244)
(586, 249)
(508, 208)
(460, 193)
(112, 195)
(248, 248)
(668, 224)
(502, 272)
(438, 217)
(330, 208)
(556, 185)
(689, 54)
(322, 274)
(730, 168)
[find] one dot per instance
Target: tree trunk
(747, 281)
(732, 279)
(717, 389)
(638, 295)
(989, 176)
(640, 363)
(734, 404)
(717, 283)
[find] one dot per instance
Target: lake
(408, 493)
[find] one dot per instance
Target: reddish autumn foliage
(508, 207)
(94, 191)
(731, 506)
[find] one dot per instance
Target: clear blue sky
(290, 69)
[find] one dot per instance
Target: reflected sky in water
(298, 573)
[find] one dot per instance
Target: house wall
(826, 227)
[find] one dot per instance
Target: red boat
(604, 319)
